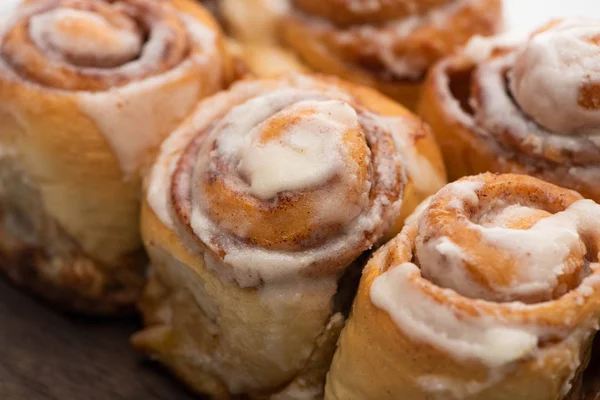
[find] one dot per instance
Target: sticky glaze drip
(544, 249)
(135, 113)
(132, 117)
(421, 317)
(436, 295)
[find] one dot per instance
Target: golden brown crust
(253, 27)
(200, 288)
(63, 168)
(420, 184)
(381, 356)
(369, 54)
(37, 254)
(184, 333)
(471, 142)
(348, 12)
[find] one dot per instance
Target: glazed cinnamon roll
(389, 45)
(522, 105)
(255, 214)
(491, 291)
(88, 89)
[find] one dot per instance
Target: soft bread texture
(237, 304)
(523, 105)
(461, 304)
(254, 26)
(383, 44)
(72, 150)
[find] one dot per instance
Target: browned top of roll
(538, 97)
(492, 256)
(281, 176)
(392, 40)
(94, 44)
(348, 12)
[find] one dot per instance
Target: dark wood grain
(46, 355)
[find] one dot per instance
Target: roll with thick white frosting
(256, 213)
(491, 291)
(88, 90)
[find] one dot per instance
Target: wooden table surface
(45, 355)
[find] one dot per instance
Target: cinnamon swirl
(255, 213)
(522, 105)
(491, 291)
(389, 45)
(88, 89)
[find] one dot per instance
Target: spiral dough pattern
(280, 178)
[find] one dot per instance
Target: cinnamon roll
(512, 104)
(491, 291)
(255, 214)
(88, 89)
(389, 45)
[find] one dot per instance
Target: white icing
(135, 118)
(252, 265)
(424, 319)
(362, 6)
(543, 250)
(506, 215)
(550, 71)
(306, 155)
(159, 180)
(543, 253)
(443, 262)
(84, 34)
(481, 48)
(464, 192)
(452, 106)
